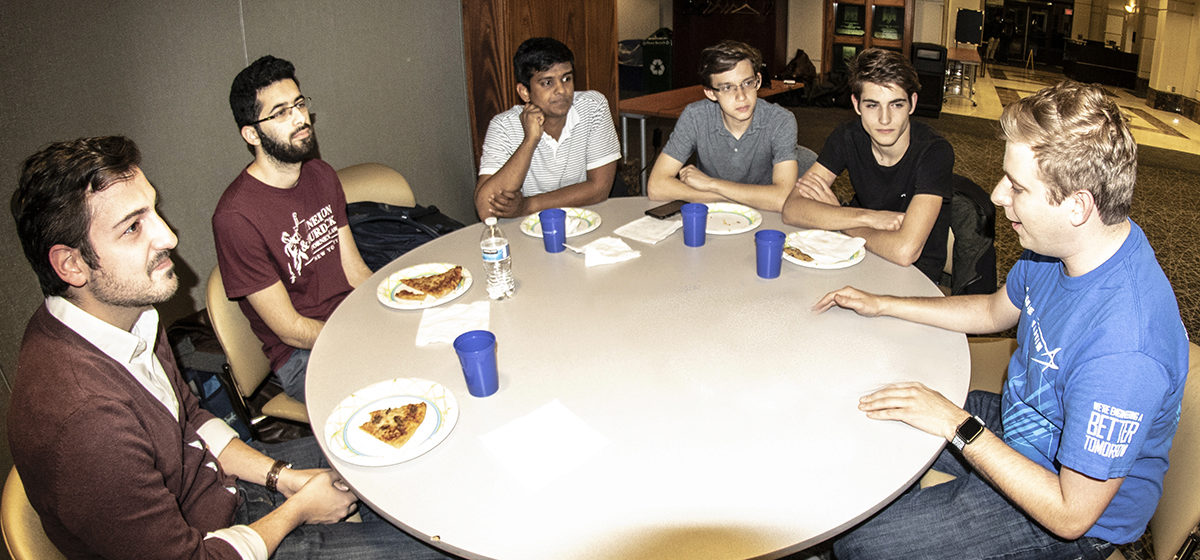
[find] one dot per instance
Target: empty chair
(375, 182)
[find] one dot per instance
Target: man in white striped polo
(558, 149)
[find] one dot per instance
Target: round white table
(670, 406)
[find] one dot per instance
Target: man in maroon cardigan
(116, 454)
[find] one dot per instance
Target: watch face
(970, 429)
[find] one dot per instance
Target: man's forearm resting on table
(508, 178)
(894, 246)
(670, 180)
(765, 197)
(905, 245)
(804, 212)
(971, 314)
(664, 183)
(592, 191)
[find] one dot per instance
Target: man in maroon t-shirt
(283, 241)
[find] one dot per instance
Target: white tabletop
(671, 406)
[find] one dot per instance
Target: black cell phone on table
(666, 210)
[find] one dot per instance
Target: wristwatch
(273, 474)
(967, 432)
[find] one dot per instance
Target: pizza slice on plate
(395, 426)
(435, 285)
(795, 252)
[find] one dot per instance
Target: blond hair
(1080, 141)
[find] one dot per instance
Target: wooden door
(492, 30)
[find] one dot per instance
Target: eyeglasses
(302, 104)
(748, 84)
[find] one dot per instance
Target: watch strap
(273, 474)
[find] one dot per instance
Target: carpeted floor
(1166, 200)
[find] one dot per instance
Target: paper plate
(387, 289)
(352, 444)
(797, 235)
(579, 222)
(727, 218)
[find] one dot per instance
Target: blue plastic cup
(477, 354)
(768, 245)
(695, 222)
(554, 229)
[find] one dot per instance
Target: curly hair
(1081, 141)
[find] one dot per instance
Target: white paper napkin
(543, 445)
(444, 323)
(827, 247)
(648, 229)
(608, 250)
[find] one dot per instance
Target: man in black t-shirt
(900, 170)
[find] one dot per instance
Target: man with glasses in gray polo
(283, 241)
(745, 148)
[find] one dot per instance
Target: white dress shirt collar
(132, 349)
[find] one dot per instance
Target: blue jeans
(293, 372)
(962, 519)
(373, 538)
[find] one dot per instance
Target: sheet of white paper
(444, 323)
(608, 250)
(649, 230)
(543, 445)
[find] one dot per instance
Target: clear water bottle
(496, 261)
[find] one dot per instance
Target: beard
(125, 292)
(286, 152)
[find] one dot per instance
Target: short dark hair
(50, 203)
(884, 68)
(243, 95)
(723, 56)
(538, 54)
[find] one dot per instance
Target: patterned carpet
(1166, 200)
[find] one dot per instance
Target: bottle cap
(491, 221)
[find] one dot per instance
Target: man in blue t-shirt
(1070, 459)
(900, 169)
